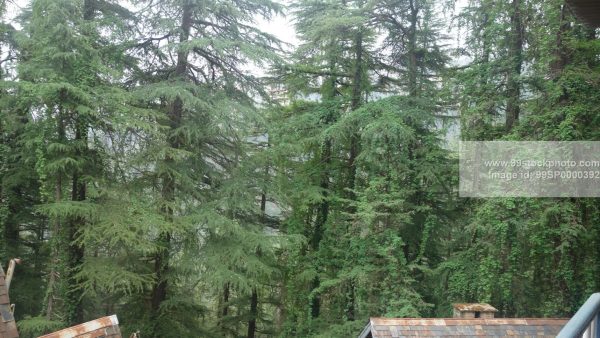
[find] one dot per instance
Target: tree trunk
(253, 313)
(55, 253)
(329, 92)
(412, 50)
(161, 259)
(254, 296)
(321, 219)
(75, 251)
(224, 308)
(513, 86)
(56, 229)
(355, 103)
(561, 58)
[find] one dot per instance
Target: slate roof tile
(461, 327)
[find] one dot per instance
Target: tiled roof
(8, 327)
(458, 327)
(105, 327)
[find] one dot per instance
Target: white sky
(281, 26)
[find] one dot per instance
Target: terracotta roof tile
(460, 327)
(105, 327)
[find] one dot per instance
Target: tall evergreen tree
(195, 78)
(21, 226)
(67, 94)
(338, 137)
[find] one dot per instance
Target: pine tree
(323, 148)
(21, 226)
(206, 99)
(413, 56)
(332, 64)
(66, 93)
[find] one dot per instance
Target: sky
(281, 26)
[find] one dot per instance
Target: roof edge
(77, 330)
(365, 332)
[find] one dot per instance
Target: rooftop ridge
(381, 327)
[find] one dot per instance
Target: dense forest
(148, 170)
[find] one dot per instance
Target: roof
(474, 307)
(587, 11)
(8, 327)
(105, 327)
(458, 327)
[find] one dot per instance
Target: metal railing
(586, 322)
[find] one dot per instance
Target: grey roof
(459, 327)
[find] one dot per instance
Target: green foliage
(32, 327)
(522, 255)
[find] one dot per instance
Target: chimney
(473, 310)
